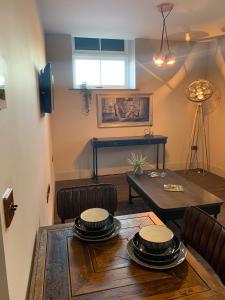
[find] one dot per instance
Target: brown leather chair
(72, 201)
(207, 236)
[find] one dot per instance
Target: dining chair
(71, 202)
(207, 236)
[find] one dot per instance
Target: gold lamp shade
(199, 90)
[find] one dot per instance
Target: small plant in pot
(86, 93)
(138, 162)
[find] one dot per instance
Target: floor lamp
(198, 92)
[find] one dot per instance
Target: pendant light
(164, 58)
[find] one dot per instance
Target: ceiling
(131, 19)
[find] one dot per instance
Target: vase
(138, 171)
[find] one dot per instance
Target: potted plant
(86, 93)
(138, 162)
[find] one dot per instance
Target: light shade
(187, 37)
(170, 58)
(159, 59)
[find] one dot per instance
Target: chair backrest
(207, 236)
(71, 202)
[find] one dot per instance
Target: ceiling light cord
(164, 56)
(164, 30)
(167, 41)
(162, 36)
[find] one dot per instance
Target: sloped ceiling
(132, 18)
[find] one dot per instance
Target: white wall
(172, 113)
(25, 151)
(216, 106)
(4, 293)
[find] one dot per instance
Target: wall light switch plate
(9, 206)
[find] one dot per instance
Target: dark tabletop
(152, 137)
(193, 195)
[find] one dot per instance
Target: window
(102, 63)
(98, 44)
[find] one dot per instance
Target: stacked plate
(156, 247)
(95, 225)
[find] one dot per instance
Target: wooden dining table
(66, 268)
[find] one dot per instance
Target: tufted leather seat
(207, 236)
(72, 201)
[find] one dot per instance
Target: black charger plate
(166, 254)
(156, 262)
(83, 230)
(180, 258)
(95, 237)
(111, 234)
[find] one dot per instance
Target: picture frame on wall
(124, 110)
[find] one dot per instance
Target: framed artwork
(124, 110)
(2, 84)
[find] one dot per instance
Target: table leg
(157, 156)
(96, 163)
(130, 196)
(164, 155)
(93, 166)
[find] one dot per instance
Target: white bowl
(94, 218)
(156, 237)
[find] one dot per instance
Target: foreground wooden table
(66, 268)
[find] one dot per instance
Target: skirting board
(84, 173)
(217, 171)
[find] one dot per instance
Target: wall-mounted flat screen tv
(46, 89)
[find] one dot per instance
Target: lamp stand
(198, 137)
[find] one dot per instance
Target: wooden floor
(210, 182)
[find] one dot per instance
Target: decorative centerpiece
(138, 163)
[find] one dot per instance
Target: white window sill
(105, 89)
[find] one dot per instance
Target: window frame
(125, 52)
(103, 55)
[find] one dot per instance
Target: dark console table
(127, 141)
